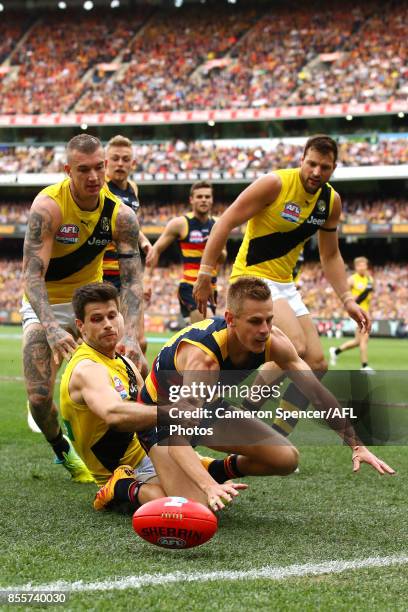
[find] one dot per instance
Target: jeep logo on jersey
(105, 224)
(67, 234)
(97, 242)
(315, 221)
(197, 236)
(291, 212)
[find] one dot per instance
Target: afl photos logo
(67, 234)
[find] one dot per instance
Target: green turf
(49, 531)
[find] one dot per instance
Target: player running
(362, 285)
(191, 232)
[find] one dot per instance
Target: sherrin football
(174, 522)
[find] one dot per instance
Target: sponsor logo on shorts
(67, 234)
(291, 212)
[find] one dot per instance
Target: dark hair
(93, 292)
(200, 185)
(246, 288)
(323, 144)
(84, 143)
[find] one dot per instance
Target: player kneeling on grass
(98, 394)
(200, 357)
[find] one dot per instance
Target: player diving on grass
(242, 341)
(98, 402)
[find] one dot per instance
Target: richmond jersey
(192, 246)
(129, 197)
(210, 335)
(362, 290)
(79, 243)
(275, 237)
(102, 449)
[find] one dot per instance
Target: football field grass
(324, 538)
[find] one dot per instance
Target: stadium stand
(233, 57)
(181, 156)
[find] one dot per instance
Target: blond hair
(246, 288)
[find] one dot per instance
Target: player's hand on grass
(361, 454)
(220, 494)
(62, 343)
(359, 315)
(203, 292)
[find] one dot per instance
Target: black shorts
(187, 302)
(114, 279)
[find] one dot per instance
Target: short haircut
(93, 292)
(200, 185)
(357, 260)
(84, 143)
(119, 141)
(323, 144)
(246, 288)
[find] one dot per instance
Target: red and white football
(174, 522)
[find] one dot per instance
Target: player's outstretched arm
(174, 230)
(334, 268)
(90, 384)
(325, 402)
(126, 237)
(44, 220)
(249, 203)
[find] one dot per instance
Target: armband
(328, 229)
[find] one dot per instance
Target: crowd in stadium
(180, 156)
(200, 58)
(355, 210)
(390, 298)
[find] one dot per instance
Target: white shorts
(63, 313)
(288, 292)
(145, 471)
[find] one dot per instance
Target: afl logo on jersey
(67, 234)
(119, 387)
(197, 236)
(291, 212)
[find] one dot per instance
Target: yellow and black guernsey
(362, 290)
(79, 243)
(130, 198)
(192, 245)
(101, 448)
(211, 336)
(275, 237)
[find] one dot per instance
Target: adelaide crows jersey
(211, 336)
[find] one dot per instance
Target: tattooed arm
(126, 237)
(44, 219)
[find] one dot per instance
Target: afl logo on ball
(67, 234)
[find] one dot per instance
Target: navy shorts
(187, 302)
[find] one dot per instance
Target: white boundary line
(267, 573)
